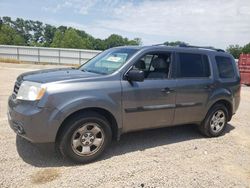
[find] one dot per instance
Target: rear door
(194, 83)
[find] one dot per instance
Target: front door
(151, 103)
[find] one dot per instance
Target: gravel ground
(169, 157)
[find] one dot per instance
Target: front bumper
(32, 122)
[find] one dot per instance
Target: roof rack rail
(203, 47)
(162, 44)
(191, 46)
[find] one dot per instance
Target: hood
(52, 75)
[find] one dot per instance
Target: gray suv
(125, 89)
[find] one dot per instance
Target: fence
(46, 55)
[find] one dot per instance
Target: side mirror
(135, 75)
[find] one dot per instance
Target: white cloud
(78, 6)
(213, 22)
(83, 6)
(199, 22)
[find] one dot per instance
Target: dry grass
(9, 60)
(46, 63)
(44, 176)
(15, 61)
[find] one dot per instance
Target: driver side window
(154, 65)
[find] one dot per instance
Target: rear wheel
(85, 137)
(215, 121)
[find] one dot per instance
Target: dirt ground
(169, 157)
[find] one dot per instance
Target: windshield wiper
(93, 71)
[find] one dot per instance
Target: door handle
(167, 90)
(210, 86)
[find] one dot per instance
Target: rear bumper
(31, 122)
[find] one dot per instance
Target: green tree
(49, 33)
(38, 29)
(10, 37)
(235, 50)
(135, 41)
(57, 40)
(99, 44)
(114, 40)
(246, 49)
(23, 28)
(35, 33)
(7, 20)
(72, 40)
(62, 28)
(1, 22)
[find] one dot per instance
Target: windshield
(108, 61)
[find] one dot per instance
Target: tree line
(236, 50)
(36, 33)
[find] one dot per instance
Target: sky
(217, 23)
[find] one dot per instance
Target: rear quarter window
(225, 67)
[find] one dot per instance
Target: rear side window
(225, 67)
(193, 66)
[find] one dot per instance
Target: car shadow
(45, 155)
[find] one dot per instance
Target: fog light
(19, 128)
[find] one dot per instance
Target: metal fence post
(79, 57)
(17, 52)
(59, 53)
(38, 53)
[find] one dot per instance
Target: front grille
(16, 88)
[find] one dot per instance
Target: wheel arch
(107, 114)
(223, 96)
(227, 104)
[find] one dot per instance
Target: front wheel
(215, 122)
(85, 137)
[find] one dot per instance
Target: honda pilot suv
(125, 89)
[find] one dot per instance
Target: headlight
(31, 91)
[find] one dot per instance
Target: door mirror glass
(135, 75)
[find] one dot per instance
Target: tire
(212, 127)
(85, 137)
